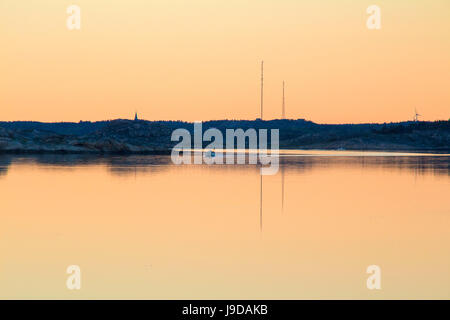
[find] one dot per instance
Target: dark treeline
(298, 133)
(87, 127)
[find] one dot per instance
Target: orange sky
(199, 60)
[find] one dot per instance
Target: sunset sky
(200, 60)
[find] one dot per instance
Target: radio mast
(262, 88)
(283, 111)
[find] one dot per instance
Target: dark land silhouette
(141, 136)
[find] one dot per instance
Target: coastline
(154, 137)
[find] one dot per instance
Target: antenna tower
(262, 88)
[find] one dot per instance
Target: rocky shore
(118, 136)
(126, 136)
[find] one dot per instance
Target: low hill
(154, 136)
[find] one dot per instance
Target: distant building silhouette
(416, 115)
(136, 117)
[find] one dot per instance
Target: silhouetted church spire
(135, 117)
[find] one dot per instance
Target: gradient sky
(200, 60)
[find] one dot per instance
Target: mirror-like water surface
(141, 227)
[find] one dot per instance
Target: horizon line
(211, 120)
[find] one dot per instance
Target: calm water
(140, 227)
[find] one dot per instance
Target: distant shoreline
(444, 152)
(154, 137)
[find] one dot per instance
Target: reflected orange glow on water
(140, 227)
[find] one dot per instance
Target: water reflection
(117, 165)
(435, 165)
(5, 162)
(133, 164)
(222, 231)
